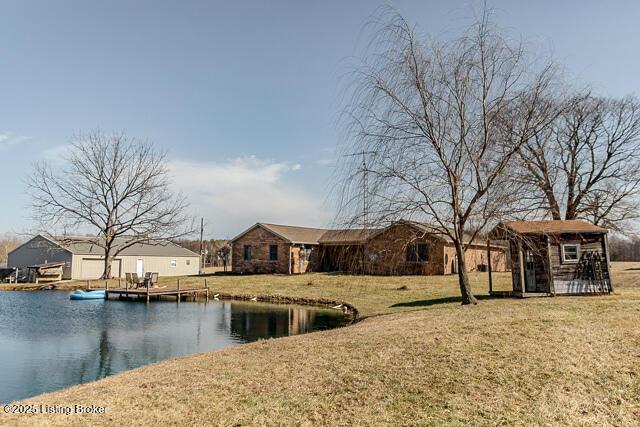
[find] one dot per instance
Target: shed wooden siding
(565, 273)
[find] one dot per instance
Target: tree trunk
(108, 260)
(554, 208)
(571, 212)
(463, 277)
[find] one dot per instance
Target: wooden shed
(554, 258)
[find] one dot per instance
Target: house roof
(292, 234)
(315, 236)
(353, 235)
(552, 227)
(84, 246)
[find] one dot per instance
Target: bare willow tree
(438, 124)
(587, 164)
(115, 188)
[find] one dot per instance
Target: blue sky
(244, 95)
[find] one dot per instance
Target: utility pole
(365, 207)
(201, 266)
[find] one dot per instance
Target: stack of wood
(51, 272)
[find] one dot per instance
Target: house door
(530, 272)
(140, 268)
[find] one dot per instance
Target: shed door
(140, 267)
(530, 272)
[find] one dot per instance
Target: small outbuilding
(554, 258)
(82, 259)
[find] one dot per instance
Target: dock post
(207, 291)
(178, 294)
(147, 292)
(126, 289)
(88, 284)
(106, 285)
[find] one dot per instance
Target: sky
(245, 95)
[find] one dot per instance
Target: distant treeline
(215, 250)
(624, 249)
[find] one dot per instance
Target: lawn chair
(154, 279)
(135, 280)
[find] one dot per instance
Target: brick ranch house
(402, 248)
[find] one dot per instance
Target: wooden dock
(147, 293)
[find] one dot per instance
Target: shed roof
(85, 246)
(576, 226)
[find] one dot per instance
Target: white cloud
(237, 193)
(8, 139)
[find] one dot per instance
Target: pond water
(48, 342)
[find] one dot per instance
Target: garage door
(93, 268)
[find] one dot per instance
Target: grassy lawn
(428, 360)
(371, 295)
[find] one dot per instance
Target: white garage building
(85, 260)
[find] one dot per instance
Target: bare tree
(587, 164)
(438, 125)
(114, 187)
(8, 242)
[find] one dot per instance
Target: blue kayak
(87, 295)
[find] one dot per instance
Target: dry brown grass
(555, 361)
(370, 294)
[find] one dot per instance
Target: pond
(48, 342)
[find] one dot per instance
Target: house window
(174, 263)
(247, 252)
(273, 252)
(417, 253)
(570, 252)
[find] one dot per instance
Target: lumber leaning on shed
(489, 265)
(605, 240)
(521, 262)
(552, 287)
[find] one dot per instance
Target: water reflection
(48, 342)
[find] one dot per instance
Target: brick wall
(260, 239)
(474, 256)
(386, 253)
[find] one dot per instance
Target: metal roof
(80, 245)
